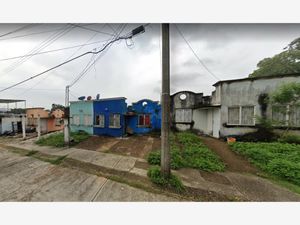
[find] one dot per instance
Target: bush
(173, 182)
(57, 140)
(193, 154)
(290, 138)
(278, 159)
(285, 169)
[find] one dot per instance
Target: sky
(131, 69)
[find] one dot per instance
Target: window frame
(144, 115)
(114, 126)
(100, 124)
(240, 107)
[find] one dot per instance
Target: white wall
(6, 124)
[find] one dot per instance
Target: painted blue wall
(152, 108)
(81, 108)
(107, 107)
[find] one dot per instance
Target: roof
(11, 100)
(257, 78)
(100, 100)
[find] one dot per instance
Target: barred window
(87, 120)
(58, 121)
(279, 113)
(183, 115)
(99, 120)
(247, 115)
(114, 121)
(75, 120)
(294, 117)
(234, 115)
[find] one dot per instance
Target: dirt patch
(141, 165)
(233, 162)
(98, 143)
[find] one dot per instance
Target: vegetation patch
(57, 140)
(281, 160)
(173, 182)
(32, 152)
(187, 151)
(290, 138)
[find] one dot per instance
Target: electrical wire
(54, 50)
(92, 61)
(17, 30)
(70, 60)
(197, 57)
(52, 38)
(90, 29)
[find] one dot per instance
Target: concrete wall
(81, 108)
(6, 123)
(243, 93)
(207, 120)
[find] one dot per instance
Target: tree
(57, 106)
(286, 62)
(287, 97)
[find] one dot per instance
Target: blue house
(109, 116)
(143, 116)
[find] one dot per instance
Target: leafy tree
(286, 62)
(287, 94)
(57, 106)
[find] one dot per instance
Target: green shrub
(193, 154)
(290, 138)
(173, 182)
(285, 169)
(278, 159)
(57, 140)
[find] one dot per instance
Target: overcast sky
(134, 71)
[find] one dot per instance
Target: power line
(14, 31)
(202, 63)
(90, 29)
(54, 50)
(52, 38)
(93, 61)
(65, 59)
(130, 35)
(37, 33)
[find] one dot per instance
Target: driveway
(29, 179)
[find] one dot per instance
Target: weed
(57, 140)
(172, 182)
(32, 152)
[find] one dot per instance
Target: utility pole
(66, 119)
(165, 102)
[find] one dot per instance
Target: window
(88, 120)
(247, 115)
(183, 115)
(295, 116)
(99, 120)
(241, 115)
(279, 114)
(114, 121)
(234, 115)
(75, 120)
(144, 120)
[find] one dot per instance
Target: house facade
(49, 120)
(143, 117)
(109, 116)
(236, 104)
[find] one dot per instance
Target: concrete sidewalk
(233, 185)
(27, 179)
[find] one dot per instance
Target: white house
(235, 105)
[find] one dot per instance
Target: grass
(280, 160)
(173, 182)
(187, 151)
(57, 140)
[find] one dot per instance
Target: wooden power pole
(165, 102)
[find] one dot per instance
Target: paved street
(28, 179)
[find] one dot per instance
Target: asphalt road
(28, 179)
